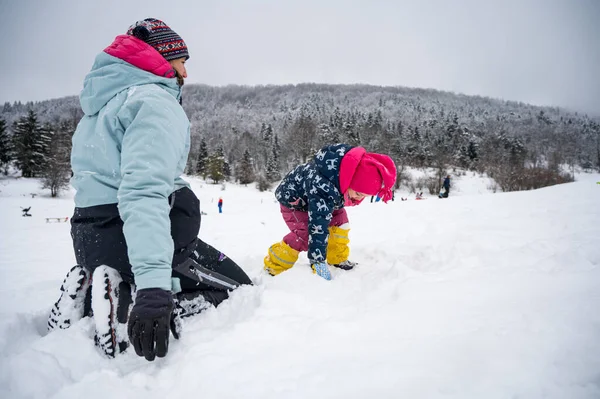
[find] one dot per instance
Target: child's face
(355, 195)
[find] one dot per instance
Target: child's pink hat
(368, 173)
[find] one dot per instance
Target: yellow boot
(337, 247)
(280, 258)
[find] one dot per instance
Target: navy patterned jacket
(314, 187)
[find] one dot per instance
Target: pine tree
(218, 168)
(303, 134)
(327, 134)
(263, 127)
(351, 132)
(6, 148)
(31, 143)
(472, 152)
(202, 161)
(266, 132)
(215, 168)
(226, 166)
(227, 169)
(596, 130)
(276, 146)
(336, 120)
(245, 172)
(272, 173)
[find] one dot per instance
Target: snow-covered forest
(256, 134)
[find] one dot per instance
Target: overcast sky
(545, 52)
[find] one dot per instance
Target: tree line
(256, 134)
(38, 150)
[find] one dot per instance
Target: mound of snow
(474, 296)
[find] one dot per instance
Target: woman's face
(179, 67)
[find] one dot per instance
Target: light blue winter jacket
(130, 148)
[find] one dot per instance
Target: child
(220, 205)
(312, 199)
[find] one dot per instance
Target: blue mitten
(322, 270)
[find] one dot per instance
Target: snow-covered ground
(475, 296)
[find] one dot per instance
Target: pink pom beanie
(368, 173)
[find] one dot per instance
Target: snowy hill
(475, 296)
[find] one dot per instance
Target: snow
(476, 296)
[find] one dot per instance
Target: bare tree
(57, 170)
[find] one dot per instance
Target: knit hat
(374, 173)
(158, 35)
(368, 173)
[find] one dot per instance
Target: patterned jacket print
(314, 187)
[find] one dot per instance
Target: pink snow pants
(297, 221)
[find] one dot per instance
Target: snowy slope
(475, 296)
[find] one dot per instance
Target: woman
(136, 221)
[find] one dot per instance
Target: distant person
(26, 211)
(312, 199)
(136, 221)
(446, 186)
(220, 205)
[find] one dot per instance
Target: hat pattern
(158, 35)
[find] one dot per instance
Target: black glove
(149, 322)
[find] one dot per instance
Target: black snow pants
(98, 239)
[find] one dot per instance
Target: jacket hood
(111, 75)
(328, 161)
